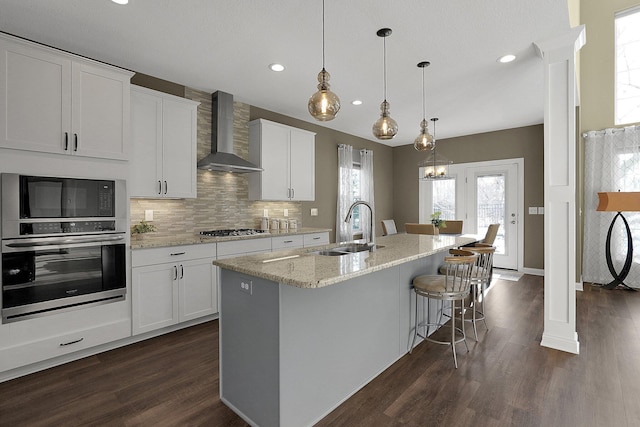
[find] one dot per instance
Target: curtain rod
(610, 130)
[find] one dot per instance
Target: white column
(560, 100)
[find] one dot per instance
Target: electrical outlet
(286, 212)
(246, 287)
(148, 215)
(314, 211)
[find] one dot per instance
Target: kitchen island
(300, 332)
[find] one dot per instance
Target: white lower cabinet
(316, 239)
(293, 241)
(172, 292)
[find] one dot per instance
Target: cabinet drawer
(315, 239)
(241, 247)
(150, 256)
(36, 351)
(287, 242)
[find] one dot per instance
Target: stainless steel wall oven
(63, 244)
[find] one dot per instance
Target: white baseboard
(533, 271)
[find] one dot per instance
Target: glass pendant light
(324, 104)
(385, 127)
(425, 140)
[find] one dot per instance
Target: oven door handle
(27, 243)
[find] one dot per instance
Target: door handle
(513, 222)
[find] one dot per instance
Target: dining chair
(388, 227)
(415, 228)
(492, 232)
(453, 226)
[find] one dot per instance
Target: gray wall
(526, 142)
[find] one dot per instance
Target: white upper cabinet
(287, 156)
(163, 145)
(56, 102)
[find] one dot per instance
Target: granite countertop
(303, 269)
(157, 240)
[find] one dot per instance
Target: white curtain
(612, 163)
(366, 193)
(344, 232)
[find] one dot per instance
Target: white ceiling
(227, 45)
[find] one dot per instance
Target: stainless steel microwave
(41, 204)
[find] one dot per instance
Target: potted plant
(438, 222)
(143, 227)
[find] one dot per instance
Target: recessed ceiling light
(276, 67)
(506, 58)
(120, 1)
(356, 102)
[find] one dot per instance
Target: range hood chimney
(221, 157)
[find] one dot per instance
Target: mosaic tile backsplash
(223, 198)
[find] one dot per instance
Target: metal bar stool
(453, 286)
(480, 279)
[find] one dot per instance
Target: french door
(481, 194)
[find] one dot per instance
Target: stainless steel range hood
(221, 157)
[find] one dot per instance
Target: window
(444, 198)
(356, 194)
(627, 73)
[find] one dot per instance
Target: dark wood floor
(507, 379)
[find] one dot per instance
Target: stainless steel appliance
(63, 244)
(232, 232)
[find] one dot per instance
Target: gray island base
(300, 335)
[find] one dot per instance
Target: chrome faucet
(372, 243)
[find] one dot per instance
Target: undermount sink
(347, 249)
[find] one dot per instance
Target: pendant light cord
(384, 62)
(323, 34)
(424, 108)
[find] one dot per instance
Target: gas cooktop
(232, 232)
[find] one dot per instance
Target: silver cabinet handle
(64, 344)
(293, 193)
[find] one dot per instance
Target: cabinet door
(146, 145)
(155, 297)
(179, 149)
(198, 289)
(100, 115)
(35, 99)
(275, 162)
(302, 165)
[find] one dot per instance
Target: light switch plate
(533, 210)
(148, 215)
(314, 211)
(540, 210)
